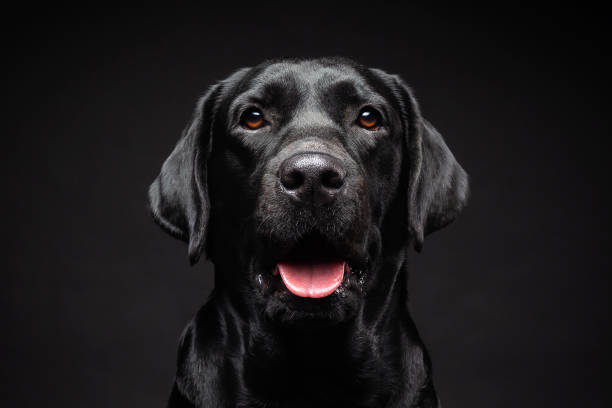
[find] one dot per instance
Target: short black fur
(254, 343)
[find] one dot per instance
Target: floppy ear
(438, 185)
(178, 197)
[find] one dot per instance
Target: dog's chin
(313, 284)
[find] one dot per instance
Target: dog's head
(301, 180)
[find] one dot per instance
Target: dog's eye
(369, 118)
(252, 119)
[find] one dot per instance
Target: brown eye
(252, 119)
(369, 118)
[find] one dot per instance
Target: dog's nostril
(332, 179)
(312, 177)
(292, 179)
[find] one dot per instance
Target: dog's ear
(438, 185)
(178, 197)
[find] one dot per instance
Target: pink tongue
(312, 280)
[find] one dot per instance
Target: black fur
(255, 344)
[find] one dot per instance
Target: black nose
(312, 177)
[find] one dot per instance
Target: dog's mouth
(313, 280)
(315, 268)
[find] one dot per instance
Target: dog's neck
(351, 362)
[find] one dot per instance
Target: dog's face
(305, 178)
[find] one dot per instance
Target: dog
(306, 182)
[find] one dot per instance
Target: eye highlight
(252, 119)
(369, 119)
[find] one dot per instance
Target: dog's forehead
(311, 78)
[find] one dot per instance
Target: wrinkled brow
(275, 93)
(345, 91)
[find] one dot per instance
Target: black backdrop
(512, 299)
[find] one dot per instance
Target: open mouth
(315, 268)
(313, 280)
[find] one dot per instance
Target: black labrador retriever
(305, 182)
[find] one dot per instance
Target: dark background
(512, 299)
